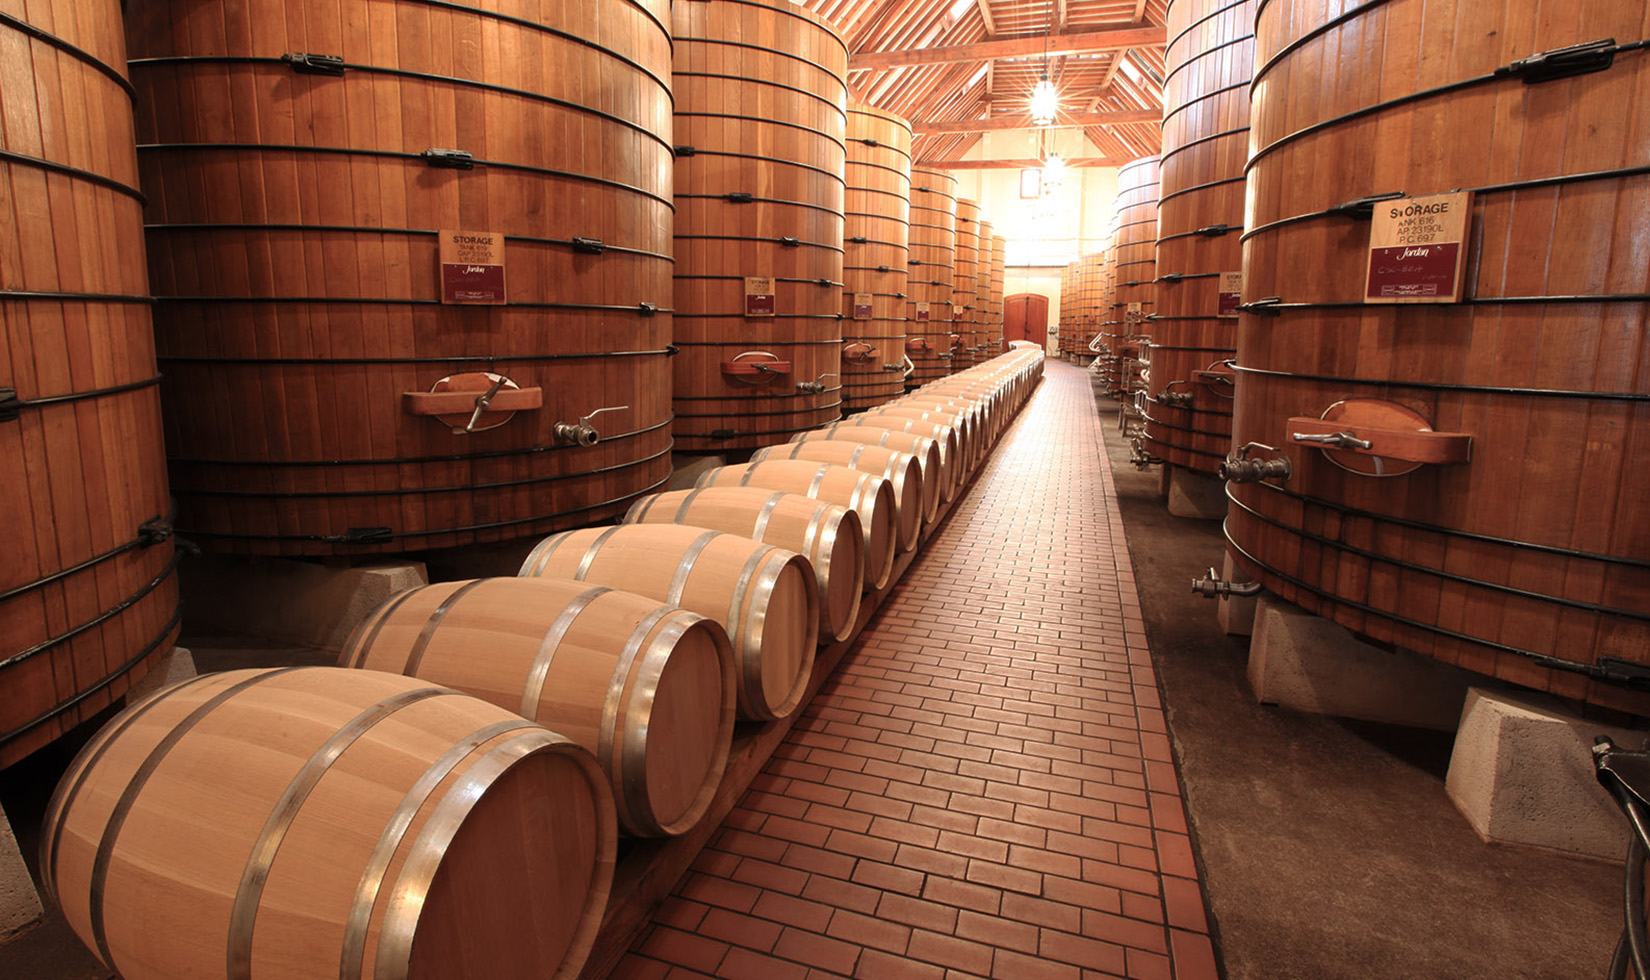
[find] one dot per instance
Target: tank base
(1195, 495)
(1522, 773)
(686, 470)
(19, 902)
(176, 667)
(292, 601)
(1308, 663)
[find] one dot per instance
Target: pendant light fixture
(1045, 101)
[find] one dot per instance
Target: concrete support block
(1236, 613)
(19, 902)
(1194, 494)
(1165, 474)
(292, 601)
(686, 470)
(176, 667)
(1309, 663)
(1522, 773)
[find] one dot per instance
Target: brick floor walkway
(985, 788)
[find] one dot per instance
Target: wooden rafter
(1107, 39)
(985, 15)
(1076, 163)
(1023, 122)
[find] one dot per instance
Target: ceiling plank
(1024, 122)
(1027, 164)
(1139, 11)
(1020, 47)
(1060, 15)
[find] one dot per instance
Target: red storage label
(759, 296)
(1417, 249)
(472, 267)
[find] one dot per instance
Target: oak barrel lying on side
(826, 534)
(317, 822)
(901, 471)
(765, 597)
(324, 178)
(646, 687)
(88, 599)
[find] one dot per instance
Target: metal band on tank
(590, 553)
(684, 567)
(533, 690)
(352, 961)
(243, 916)
(415, 657)
(128, 800)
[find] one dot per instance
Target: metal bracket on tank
(1175, 398)
(1577, 59)
(589, 246)
(10, 405)
(306, 63)
(1215, 231)
(1240, 467)
(449, 159)
(814, 387)
(362, 535)
(1358, 209)
(1266, 306)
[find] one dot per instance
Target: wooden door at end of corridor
(1025, 317)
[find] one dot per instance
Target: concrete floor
(1328, 847)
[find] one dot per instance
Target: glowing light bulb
(1054, 171)
(1045, 101)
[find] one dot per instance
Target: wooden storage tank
(333, 316)
(994, 343)
(312, 822)
(1067, 324)
(761, 130)
(1523, 550)
(1188, 405)
(933, 266)
(982, 296)
(965, 285)
(88, 599)
(1135, 267)
(877, 249)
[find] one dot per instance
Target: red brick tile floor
(985, 786)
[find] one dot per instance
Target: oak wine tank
(398, 275)
(1188, 402)
(1496, 520)
(761, 131)
(314, 822)
(965, 284)
(88, 598)
(876, 252)
(1134, 266)
(932, 271)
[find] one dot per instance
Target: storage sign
(472, 267)
(759, 296)
(1231, 293)
(1417, 249)
(862, 306)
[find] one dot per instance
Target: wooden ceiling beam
(1078, 163)
(1024, 122)
(1109, 39)
(985, 15)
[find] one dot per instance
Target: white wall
(1043, 235)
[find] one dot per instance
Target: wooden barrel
(965, 284)
(761, 120)
(874, 270)
(912, 504)
(1522, 550)
(1188, 404)
(88, 600)
(765, 597)
(936, 480)
(826, 534)
(315, 822)
(391, 337)
(1135, 267)
(866, 495)
(953, 472)
(980, 411)
(646, 687)
(968, 443)
(932, 271)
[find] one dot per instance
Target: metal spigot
(1340, 440)
(893, 367)
(1139, 456)
(1240, 467)
(814, 387)
(1167, 397)
(1212, 586)
(583, 433)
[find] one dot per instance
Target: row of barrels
(447, 801)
